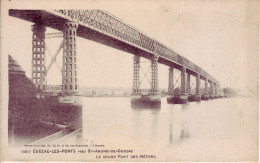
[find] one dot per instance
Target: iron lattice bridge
(105, 28)
(111, 25)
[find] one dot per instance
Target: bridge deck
(106, 29)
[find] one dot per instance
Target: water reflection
(136, 123)
(184, 123)
(184, 130)
(154, 127)
(171, 128)
(184, 106)
(145, 105)
(178, 124)
(114, 121)
(144, 116)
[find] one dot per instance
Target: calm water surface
(220, 129)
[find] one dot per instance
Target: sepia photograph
(130, 81)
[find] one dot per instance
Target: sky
(219, 36)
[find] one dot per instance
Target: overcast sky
(219, 36)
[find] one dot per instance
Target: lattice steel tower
(38, 56)
(69, 68)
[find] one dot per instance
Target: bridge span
(104, 28)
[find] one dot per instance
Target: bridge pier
(211, 95)
(198, 93)
(205, 96)
(136, 75)
(154, 67)
(181, 98)
(70, 83)
(197, 96)
(188, 84)
(136, 95)
(69, 67)
(153, 98)
(38, 56)
(170, 97)
(216, 91)
(170, 86)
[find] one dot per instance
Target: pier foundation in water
(211, 97)
(193, 98)
(151, 100)
(204, 97)
(178, 99)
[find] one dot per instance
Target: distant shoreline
(105, 96)
(113, 96)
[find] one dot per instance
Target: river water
(215, 130)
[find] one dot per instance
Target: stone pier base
(151, 100)
(204, 97)
(178, 99)
(211, 97)
(196, 97)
